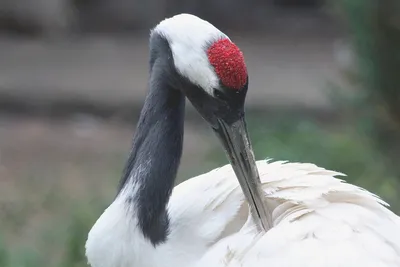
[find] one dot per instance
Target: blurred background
(324, 88)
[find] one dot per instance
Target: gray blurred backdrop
(323, 88)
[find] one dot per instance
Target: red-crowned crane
(248, 213)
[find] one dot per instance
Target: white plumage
(318, 220)
(188, 49)
(313, 219)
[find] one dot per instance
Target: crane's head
(193, 56)
(205, 64)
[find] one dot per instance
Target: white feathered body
(318, 220)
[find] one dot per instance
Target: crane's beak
(235, 140)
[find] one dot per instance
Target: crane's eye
(219, 95)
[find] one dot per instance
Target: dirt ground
(36, 148)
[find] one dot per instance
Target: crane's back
(319, 220)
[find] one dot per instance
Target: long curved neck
(150, 171)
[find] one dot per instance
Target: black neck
(154, 160)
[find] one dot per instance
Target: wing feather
(319, 220)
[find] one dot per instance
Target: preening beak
(235, 140)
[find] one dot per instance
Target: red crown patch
(228, 63)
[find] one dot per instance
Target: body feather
(318, 220)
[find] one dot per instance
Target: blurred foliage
(374, 32)
(61, 241)
(49, 227)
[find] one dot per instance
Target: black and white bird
(247, 213)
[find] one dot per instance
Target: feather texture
(319, 220)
